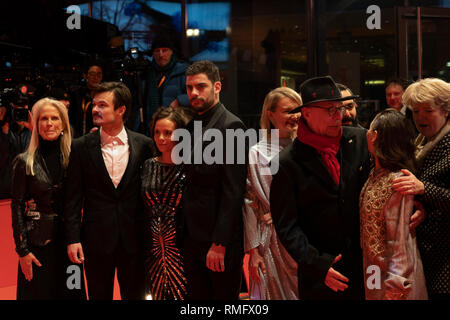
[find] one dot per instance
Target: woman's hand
(267, 218)
(26, 264)
(254, 263)
(408, 184)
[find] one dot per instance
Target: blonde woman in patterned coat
(273, 272)
(429, 100)
(392, 264)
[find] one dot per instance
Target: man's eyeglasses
(332, 110)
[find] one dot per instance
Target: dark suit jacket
(110, 216)
(214, 194)
(315, 219)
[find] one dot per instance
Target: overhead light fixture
(193, 32)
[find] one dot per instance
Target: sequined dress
(162, 190)
(392, 264)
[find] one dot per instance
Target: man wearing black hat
(314, 195)
(165, 80)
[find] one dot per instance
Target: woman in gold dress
(392, 264)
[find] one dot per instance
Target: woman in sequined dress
(392, 264)
(272, 271)
(162, 191)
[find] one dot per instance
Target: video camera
(135, 61)
(15, 102)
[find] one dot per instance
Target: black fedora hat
(320, 89)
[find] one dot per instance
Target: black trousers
(57, 279)
(204, 284)
(100, 271)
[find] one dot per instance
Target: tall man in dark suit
(213, 199)
(314, 196)
(104, 183)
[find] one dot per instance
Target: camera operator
(15, 133)
(164, 81)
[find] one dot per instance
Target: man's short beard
(354, 122)
(206, 106)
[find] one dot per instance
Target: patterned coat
(433, 234)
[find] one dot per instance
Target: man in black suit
(103, 182)
(314, 196)
(214, 195)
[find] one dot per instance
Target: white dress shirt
(115, 151)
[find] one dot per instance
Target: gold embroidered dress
(392, 264)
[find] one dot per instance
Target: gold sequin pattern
(375, 193)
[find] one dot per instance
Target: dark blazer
(110, 216)
(315, 219)
(433, 237)
(214, 194)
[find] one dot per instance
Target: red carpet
(9, 259)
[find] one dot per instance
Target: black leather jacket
(48, 199)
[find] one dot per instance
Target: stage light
(149, 297)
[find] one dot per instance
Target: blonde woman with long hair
(272, 271)
(37, 207)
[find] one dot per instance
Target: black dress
(36, 208)
(162, 190)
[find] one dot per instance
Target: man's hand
(254, 263)
(334, 280)
(26, 264)
(75, 252)
(215, 258)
